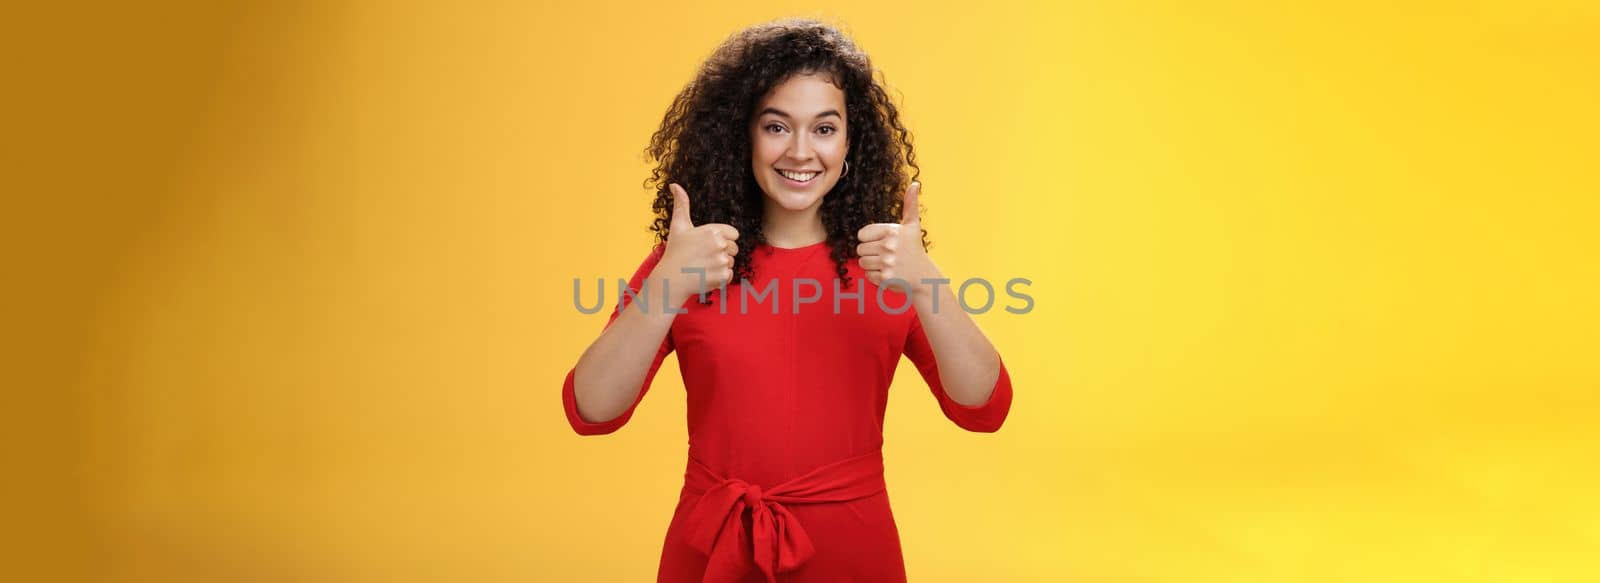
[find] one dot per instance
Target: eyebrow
(781, 113)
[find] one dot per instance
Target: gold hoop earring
(846, 169)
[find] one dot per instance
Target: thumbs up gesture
(894, 250)
(710, 247)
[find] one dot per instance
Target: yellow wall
(1316, 288)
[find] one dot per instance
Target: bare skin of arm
(611, 372)
(969, 367)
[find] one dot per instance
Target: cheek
(835, 155)
(758, 150)
(764, 154)
(833, 149)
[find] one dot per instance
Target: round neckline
(775, 249)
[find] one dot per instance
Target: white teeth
(798, 176)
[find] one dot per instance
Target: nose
(800, 147)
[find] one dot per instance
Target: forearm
(612, 371)
(894, 254)
(968, 363)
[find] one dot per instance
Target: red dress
(785, 411)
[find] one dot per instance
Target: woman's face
(797, 141)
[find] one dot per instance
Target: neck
(793, 228)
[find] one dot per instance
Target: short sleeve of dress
(986, 417)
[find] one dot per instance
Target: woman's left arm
(892, 254)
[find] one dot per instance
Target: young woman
(782, 190)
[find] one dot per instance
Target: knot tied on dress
(752, 495)
(777, 543)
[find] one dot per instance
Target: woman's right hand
(692, 250)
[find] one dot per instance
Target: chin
(794, 201)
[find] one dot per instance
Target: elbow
(988, 416)
(581, 426)
(592, 429)
(985, 418)
(986, 427)
(980, 423)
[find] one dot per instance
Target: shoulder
(650, 260)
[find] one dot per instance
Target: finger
(730, 248)
(681, 221)
(872, 262)
(908, 211)
(727, 232)
(875, 231)
(878, 247)
(876, 277)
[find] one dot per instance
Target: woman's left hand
(892, 252)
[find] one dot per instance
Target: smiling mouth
(799, 177)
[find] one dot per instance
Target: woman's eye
(774, 128)
(826, 130)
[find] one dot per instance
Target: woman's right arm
(613, 373)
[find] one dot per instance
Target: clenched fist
(709, 248)
(893, 251)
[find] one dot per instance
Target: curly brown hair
(703, 143)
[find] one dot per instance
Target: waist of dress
(775, 542)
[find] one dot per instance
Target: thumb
(908, 212)
(681, 221)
